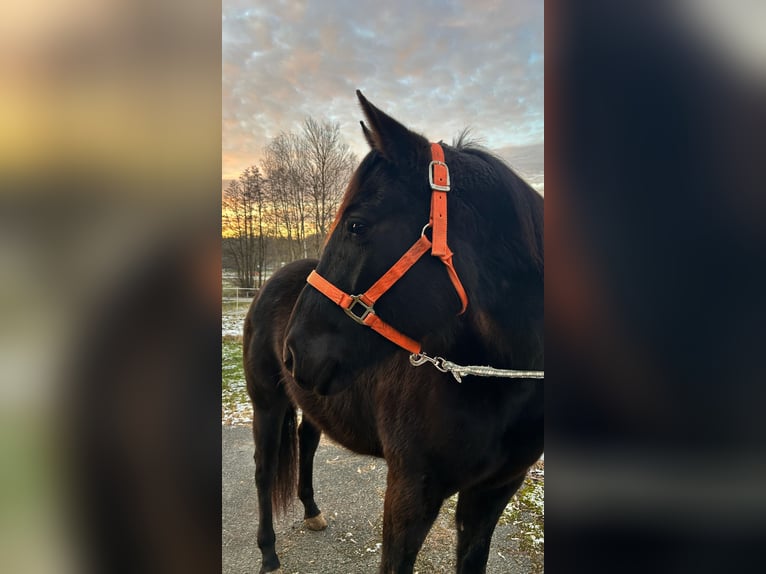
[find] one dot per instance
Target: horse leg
(267, 431)
(411, 505)
(308, 437)
(478, 510)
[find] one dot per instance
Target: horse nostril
(288, 359)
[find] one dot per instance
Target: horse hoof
(316, 523)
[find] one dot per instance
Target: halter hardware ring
(357, 300)
(436, 186)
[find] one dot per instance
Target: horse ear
(367, 135)
(388, 137)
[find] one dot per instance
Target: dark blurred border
(654, 289)
(109, 246)
(110, 290)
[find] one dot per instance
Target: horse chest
(346, 418)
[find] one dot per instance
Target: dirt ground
(349, 489)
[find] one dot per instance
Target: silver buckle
(431, 176)
(368, 310)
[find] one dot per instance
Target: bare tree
(243, 214)
(328, 166)
(282, 164)
(292, 205)
(307, 174)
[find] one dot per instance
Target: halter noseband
(361, 307)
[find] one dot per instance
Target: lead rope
(460, 371)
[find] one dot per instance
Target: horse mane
(466, 139)
(506, 192)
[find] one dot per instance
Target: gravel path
(349, 490)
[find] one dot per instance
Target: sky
(436, 66)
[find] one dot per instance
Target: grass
(235, 404)
(526, 514)
(229, 307)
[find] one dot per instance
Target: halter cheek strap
(438, 175)
(361, 307)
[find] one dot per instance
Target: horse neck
(510, 328)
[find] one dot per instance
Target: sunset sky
(437, 66)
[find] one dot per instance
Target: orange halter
(438, 177)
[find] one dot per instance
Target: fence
(240, 295)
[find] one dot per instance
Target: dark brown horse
(438, 436)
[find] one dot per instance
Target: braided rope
(460, 371)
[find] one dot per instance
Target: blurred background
(110, 286)
(654, 287)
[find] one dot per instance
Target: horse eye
(356, 227)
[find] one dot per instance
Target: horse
(348, 361)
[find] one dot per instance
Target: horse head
(493, 224)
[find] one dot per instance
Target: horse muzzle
(312, 363)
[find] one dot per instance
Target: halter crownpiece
(361, 307)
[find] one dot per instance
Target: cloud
(436, 66)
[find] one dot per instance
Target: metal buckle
(368, 310)
(431, 176)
